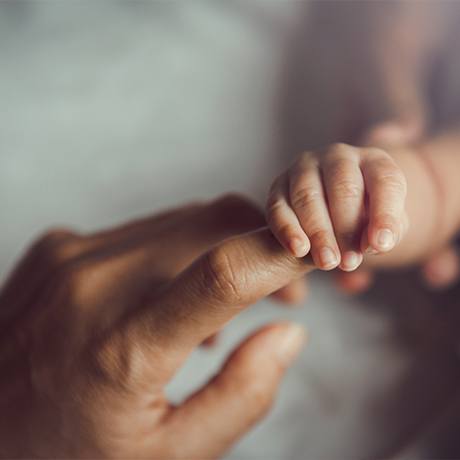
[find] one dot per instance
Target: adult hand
(94, 327)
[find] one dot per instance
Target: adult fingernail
(385, 239)
(328, 258)
(299, 247)
(291, 343)
(351, 260)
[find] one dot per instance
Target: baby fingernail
(385, 239)
(371, 251)
(328, 258)
(351, 261)
(299, 247)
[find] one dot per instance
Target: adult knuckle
(376, 152)
(54, 246)
(386, 219)
(124, 361)
(232, 201)
(81, 283)
(273, 207)
(236, 211)
(221, 276)
(75, 279)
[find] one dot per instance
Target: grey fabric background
(111, 110)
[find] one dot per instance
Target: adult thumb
(212, 419)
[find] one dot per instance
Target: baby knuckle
(347, 189)
(273, 208)
(285, 231)
(394, 180)
(376, 152)
(122, 360)
(304, 161)
(339, 150)
(319, 236)
(221, 277)
(304, 197)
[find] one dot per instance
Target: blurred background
(115, 109)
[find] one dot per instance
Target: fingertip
(327, 259)
(383, 239)
(351, 260)
(299, 247)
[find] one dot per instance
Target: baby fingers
(386, 188)
(307, 199)
(344, 185)
(282, 220)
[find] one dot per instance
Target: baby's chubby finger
(387, 189)
(345, 193)
(282, 220)
(307, 199)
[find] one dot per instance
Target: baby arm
(340, 200)
(432, 171)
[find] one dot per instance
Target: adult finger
(192, 226)
(386, 188)
(212, 419)
(45, 256)
(214, 289)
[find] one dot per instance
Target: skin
(319, 205)
(383, 96)
(94, 327)
(385, 193)
(439, 269)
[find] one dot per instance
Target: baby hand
(339, 204)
